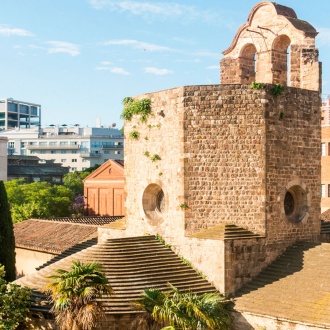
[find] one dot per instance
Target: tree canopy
(38, 200)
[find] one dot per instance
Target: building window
(42, 143)
(63, 151)
(32, 152)
(53, 151)
(74, 151)
(63, 160)
(52, 143)
(322, 190)
(23, 144)
(323, 149)
(117, 152)
(74, 160)
(73, 169)
(84, 168)
(84, 160)
(42, 151)
(11, 144)
(106, 152)
(63, 143)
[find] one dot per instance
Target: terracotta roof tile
(51, 236)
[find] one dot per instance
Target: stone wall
(293, 159)
(230, 154)
(225, 166)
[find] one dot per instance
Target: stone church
(229, 174)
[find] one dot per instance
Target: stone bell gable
(273, 46)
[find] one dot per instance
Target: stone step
(131, 265)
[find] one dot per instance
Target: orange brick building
(104, 189)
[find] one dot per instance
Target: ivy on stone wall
(136, 107)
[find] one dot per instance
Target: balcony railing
(55, 146)
(90, 155)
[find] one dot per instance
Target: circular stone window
(153, 202)
(295, 203)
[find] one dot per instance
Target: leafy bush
(14, 303)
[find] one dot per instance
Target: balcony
(90, 155)
(54, 147)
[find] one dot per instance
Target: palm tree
(183, 311)
(73, 293)
(150, 299)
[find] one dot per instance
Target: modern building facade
(325, 159)
(14, 113)
(75, 147)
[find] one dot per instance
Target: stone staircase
(130, 264)
(294, 287)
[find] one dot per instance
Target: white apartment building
(75, 147)
(14, 113)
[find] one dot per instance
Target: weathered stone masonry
(233, 155)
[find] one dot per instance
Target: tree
(37, 200)
(73, 293)
(7, 240)
(186, 310)
(14, 303)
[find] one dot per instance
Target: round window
(154, 203)
(295, 203)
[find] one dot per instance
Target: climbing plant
(278, 89)
(256, 85)
(136, 107)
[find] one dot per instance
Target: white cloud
(150, 9)
(105, 66)
(63, 47)
(137, 45)
(157, 71)
(323, 38)
(213, 67)
(7, 31)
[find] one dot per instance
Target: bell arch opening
(281, 60)
(248, 64)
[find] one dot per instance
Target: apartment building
(325, 159)
(75, 147)
(14, 113)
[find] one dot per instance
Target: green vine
(256, 85)
(184, 206)
(278, 89)
(281, 116)
(147, 153)
(136, 107)
(134, 135)
(155, 158)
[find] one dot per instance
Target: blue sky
(80, 58)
